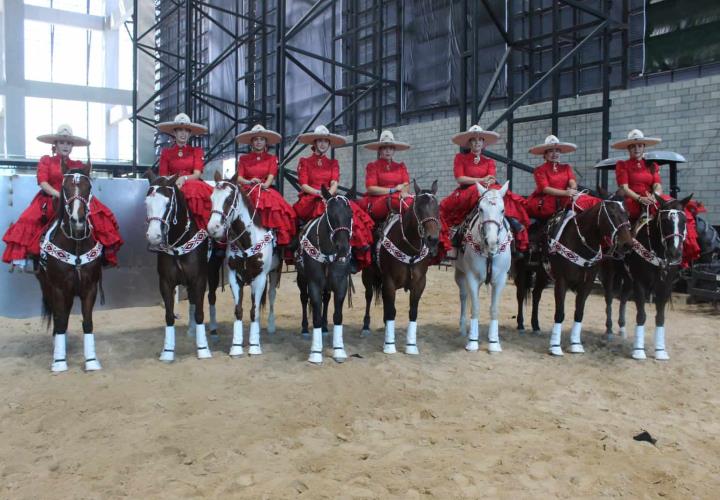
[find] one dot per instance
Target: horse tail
(377, 291)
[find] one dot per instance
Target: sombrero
(181, 121)
(64, 133)
(463, 138)
(636, 136)
(552, 142)
(258, 130)
(321, 132)
(387, 139)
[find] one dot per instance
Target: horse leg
(236, 349)
(607, 277)
(640, 317)
(87, 302)
(626, 291)
(416, 292)
(258, 288)
(315, 291)
(556, 336)
(660, 302)
(214, 270)
(302, 286)
(196, 290)
(388, 294)
(167, 290)
(576, 346)
(192, 324)
(462, 289)
(493, 329)
(521, 284)
(61, 314)
(473, 286)
(325, 306)
(541, 281)
(367, 279)
(339, 293)
(274, 281)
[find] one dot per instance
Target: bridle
(483, 223)
(615, 228)
(76, 178)
(226, 220)
(334, 230)
(420, 222)
(675, 215)
(170, 215)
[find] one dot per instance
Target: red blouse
(637, 175)
(258, 165)
(559, 178)
(50, 170)
(465, 165)
(181, 161)
(383, 174)
(316, 171)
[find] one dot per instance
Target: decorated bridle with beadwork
(68, 201)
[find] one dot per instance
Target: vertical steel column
(475, 56)
(352, 25)
(280, 92)
(463, 67)
(135, 86)
(510, 15)
(606, 102)
(555, 57)
(333, 69)
(188, 57)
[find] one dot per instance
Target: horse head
(612, 222)
(75, 199)
(425, 215)
(491, 209)
(339, 216)
(669, 227)
(161, 207)
(227, 205)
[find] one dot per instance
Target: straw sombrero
(181, 121)
(321, 132)
(475, 132)
(258, 130)
(64, 133)
(636, 136)
(387, 139)
(552, 142)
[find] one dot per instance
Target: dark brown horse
(182, 258)
(404, 250)
(571, 251)
(70, 266)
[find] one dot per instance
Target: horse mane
(248, 204)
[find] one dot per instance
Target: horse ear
(234, 178)
(417, 188)
(504, 188)
(686, 200)
(659, 199)
(171, 180)
(325, 193)
(351, 194)
(481, 189)
(434, 187)
(217, 176)
(150, 175)
(87, 169)
(602, 192)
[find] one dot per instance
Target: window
(94, 7)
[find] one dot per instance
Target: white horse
(251, 258)
(484, 258)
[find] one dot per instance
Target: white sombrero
(387, 139)
(321, 132)
(181, 121)
(475, 132)
(258, 130)
(64, 133)
(552, 142)
(636, 136)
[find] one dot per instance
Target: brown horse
(403, 252)
(70, 266)
(571, 251)
(182, 252)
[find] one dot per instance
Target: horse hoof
(365, 332)
(59, 367)
(214, 337)
(254, 350)
(463, 334)
(639, 354)
(236, 351)
(623, 332)
(520, 328)
(271, 328)
(472, 346)
(577, 349)
(167, 357)
(339, 354)
(556, 351)
(537, 332)
(389, 349)
(662, 355)
(412, 350)
(305, 335)
(494, 347)
(190, 333)
(204, 353)
(315, 358)
(92, 366)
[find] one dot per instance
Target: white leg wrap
(237, 349)
(316, 347)
(213, 318)
(168, 353)
(660, 352)
(254, 339)
(59, 363)
(639, 345)
(91, 362)
(555, 339)
(494, 337)
(339, 353)
(192, 326)
(411, 339)
(389, 347)
(473, 343)
(203, 349)
(576, 346)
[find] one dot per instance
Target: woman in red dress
(187, 163)
(555, 183)
(318, 170)
(640, 181)
(256, 171)
(471, 168)
(22, 239)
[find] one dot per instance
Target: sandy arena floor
(447, 424)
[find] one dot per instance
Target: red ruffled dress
(460, 202)
(316, 171)
(184, 161)
(640, 178)
(22, 239)
(275, 212)
(555, 175)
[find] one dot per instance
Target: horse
(182, 250)
(407, 242)
(251, 258)
(651, 268)
(70, 265)
(323, 266)
(484, 258)
(571, 250)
